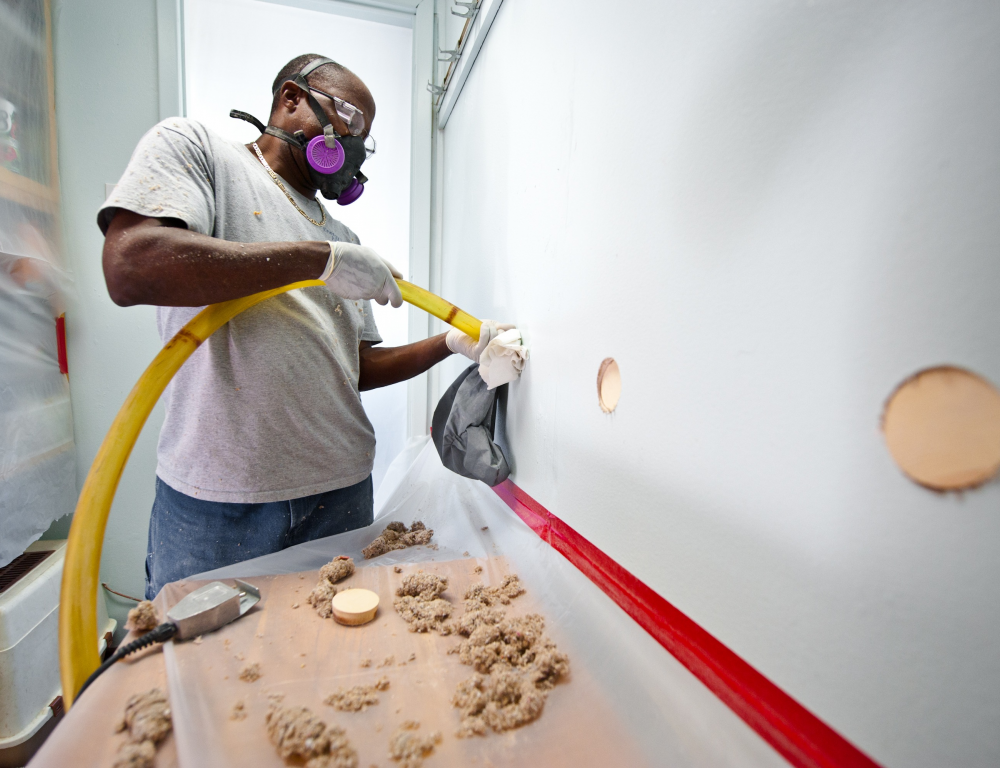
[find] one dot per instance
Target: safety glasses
(353, 118)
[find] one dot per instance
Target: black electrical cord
(159, 635)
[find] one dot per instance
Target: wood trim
(28, 192)
(20, 189)
(51, 79)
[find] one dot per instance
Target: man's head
(290, 108)
(324, 113)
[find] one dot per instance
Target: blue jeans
(188, 535)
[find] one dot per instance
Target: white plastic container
(29, 649)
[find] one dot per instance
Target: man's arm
(161, 262)
(381, 367)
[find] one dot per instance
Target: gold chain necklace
(276, 180)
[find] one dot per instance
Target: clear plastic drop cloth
(37, 462)
(37, 457)
(626, 700)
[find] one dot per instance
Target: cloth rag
(503, 359)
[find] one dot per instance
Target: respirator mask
(334, 161)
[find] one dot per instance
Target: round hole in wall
(609, 384)
(942, 426)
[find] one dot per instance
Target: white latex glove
(463, 344)
(357, 272)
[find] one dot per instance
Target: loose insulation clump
(396, 536)
(408, 748)
(143, 618)
(297, 733)
(321, 597)
(501, 701)
(147, 720)
(251, 673)
(337, 569)
(516, 663)
(419, 603)
(423, 615)
(135, 755)
(482, 605)
(481, 595)
(358, 698)
(426, 586)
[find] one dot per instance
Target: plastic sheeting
(37, 459)
(626, 698)
(87, 737)
(37, 463)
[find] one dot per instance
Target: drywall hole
(942, 426)
(609, 384)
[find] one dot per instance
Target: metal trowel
(205, 610)
(210, 607)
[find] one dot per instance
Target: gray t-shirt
(267, 409)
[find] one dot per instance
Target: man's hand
(360, 273)
(463, 344)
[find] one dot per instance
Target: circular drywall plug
(942, 427)
(609, 384)
(355, 606)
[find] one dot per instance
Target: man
(265, 443)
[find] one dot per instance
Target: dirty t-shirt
(268, 408)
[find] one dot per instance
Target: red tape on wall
(61, 343)
(797, 734)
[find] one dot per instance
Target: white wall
(769, 214)
(379, 50)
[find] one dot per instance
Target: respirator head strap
(329, 135)
(249, 118)
(313, 65)
(297, 139)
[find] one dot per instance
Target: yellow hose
(441, 309)
(78, 656)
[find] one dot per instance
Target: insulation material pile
(488, 648)
(457, 657)
(143, 618)
(146, 723)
